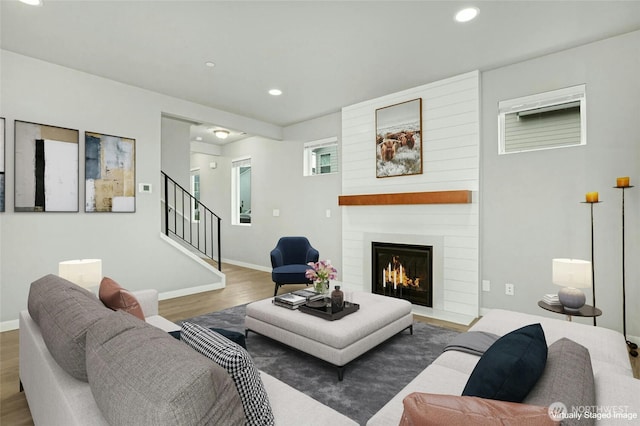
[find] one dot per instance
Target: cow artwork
(398, 139)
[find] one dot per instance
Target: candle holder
(632, 346)
(593, 269)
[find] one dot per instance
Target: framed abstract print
(110, 173)
(2, 165)
(46, 168)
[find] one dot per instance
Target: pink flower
(322, 271)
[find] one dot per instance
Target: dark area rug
(369, 381)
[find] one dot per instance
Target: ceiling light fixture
(221, 134)
(275, 92)
(467, 14)
(32, 2)
(210, 64)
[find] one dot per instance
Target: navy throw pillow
(234, 336)
(510, 368)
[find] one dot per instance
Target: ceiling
(323, 55)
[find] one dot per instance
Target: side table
(585, 311)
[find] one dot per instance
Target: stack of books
(551, 299)
(289, 300)
(295, 299)
(309, 294)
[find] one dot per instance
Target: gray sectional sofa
(84, 364)
(606, 384)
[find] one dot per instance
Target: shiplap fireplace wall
(450, 151)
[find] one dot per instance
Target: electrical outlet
(486, 285)
(509, 289)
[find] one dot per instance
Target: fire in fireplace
(403, 271)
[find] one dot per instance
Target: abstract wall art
(2, 143)
(46, 168)
(399, 139)
(110, 173)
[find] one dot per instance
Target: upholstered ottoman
(336, 342)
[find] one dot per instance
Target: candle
(401, 276)
(394, 280)
(384, 278)
(592, 197)
(622, 182)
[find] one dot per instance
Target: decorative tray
(325, 312)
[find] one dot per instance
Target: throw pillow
(239, 364)
(567, 378)
(510, 368)
(119, 299)
(234, 336)
(424, 409)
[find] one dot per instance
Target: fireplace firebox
(402, 271)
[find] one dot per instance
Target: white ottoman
(337, 342)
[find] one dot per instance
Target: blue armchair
(289, 261)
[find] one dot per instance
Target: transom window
(547, 120)
(321, 157)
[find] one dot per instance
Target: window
(195, 192)
(241, 191)
(547, 120)
(321, 157)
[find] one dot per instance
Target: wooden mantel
(433, 197)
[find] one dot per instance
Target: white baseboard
(188, 291)
(9, 325)
(247, 265)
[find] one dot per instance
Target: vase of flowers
(321, 273)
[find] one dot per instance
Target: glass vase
(321, 287)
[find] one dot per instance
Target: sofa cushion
(424, 409)
(139, 374)
(510, 368)
(239, 364)
(117, 298)
(64, 312)
(567, 378)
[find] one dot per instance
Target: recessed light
(467, 14)
(275, 92)
(32, 2)
(199, 138)
(210, 64)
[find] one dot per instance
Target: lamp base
(572, 299)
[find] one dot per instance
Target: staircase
(190, 222)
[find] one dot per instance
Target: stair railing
(190, 221)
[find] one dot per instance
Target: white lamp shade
(573, 273)
(86, 273)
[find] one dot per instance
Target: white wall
(175, 150)
(532, 209)
(129, 243)
(450, 132)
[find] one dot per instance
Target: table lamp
(86, 273)
(571, 275)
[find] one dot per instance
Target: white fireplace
(450, 163)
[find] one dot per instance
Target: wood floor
(243, 286)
